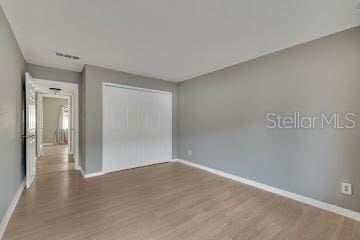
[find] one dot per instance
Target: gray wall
(92, 112)
(51, 113)
(12, 67)
(54, 74)
(222, 119)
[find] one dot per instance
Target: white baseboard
(310, 201)
(77, 167)
(81, 171)
(5, 220)
(47, 144)
(94, 174)
(90, 174)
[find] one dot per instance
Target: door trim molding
(135, 88)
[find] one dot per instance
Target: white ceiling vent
(67, 56)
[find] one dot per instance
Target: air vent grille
(67, 56)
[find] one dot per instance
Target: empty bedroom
(169, 120)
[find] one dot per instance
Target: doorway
(56, 126)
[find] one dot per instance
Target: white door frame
(39, 124)
(139, 89)
(71, 92)
(135, 88)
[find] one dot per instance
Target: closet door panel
(137, 128)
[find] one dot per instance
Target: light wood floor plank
(54, 158)
(162, 202)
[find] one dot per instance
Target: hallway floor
(53, 159)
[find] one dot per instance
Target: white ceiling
(169, 39)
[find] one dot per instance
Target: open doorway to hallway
(56, 127)
(54, 134)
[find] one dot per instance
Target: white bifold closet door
(137, 127)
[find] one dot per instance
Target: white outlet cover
(346, 188)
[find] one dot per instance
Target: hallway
(53, 159)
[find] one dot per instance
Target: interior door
(137, 128)
(30, 134)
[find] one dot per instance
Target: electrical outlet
(346, 188)
(189, 152)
